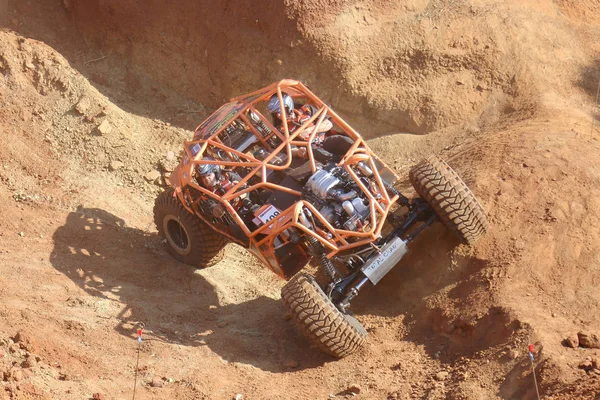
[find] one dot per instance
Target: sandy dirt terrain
(97, 96)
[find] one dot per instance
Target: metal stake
(137, 363)
(531, 350)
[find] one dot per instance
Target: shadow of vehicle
(109, 260)
(589, 81)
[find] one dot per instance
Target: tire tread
(320, 321)
(207, 244)
(454, 203)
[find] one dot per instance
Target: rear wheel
(189, 239)
(331, 331)
(450, 197)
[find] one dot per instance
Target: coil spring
(392, 191)
(326, 263)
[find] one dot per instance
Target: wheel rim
(177, 235)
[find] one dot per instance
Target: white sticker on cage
(268, 214)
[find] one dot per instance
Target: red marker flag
(531, 351)
(139, 335)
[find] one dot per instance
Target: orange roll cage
(261, 240)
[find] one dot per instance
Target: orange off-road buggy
(276, 199)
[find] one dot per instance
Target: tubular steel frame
(263, 247)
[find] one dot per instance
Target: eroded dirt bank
(417, 66)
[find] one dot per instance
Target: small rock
(287, 317)
(74, 326)
(156, 382)
(291, 364)
(29, 65)
(441, 376)
(16, 374)
(170, 156)
(115, 165)
(514, 354)
(21, 234)
(239, 396)
(572, 341)
(585, 365)
(98, 396)
(168, 166)
(222, 324)
(28, 363)
(553, 314)
(19, 337)
(83, 106)
(354, 389)
(152, 176)
(588, 340)
(104, 128)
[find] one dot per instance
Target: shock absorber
(392, 191)
(326, 263)
(260, 125)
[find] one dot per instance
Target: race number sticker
(268, 214)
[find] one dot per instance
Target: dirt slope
(94, 95)
(415, 67)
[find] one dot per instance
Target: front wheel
(321, 322)
(452, 200)
(189, 239)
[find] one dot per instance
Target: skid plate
(377, 266)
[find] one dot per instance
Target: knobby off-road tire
(452, 200)
(189, 239)
(334, 333)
